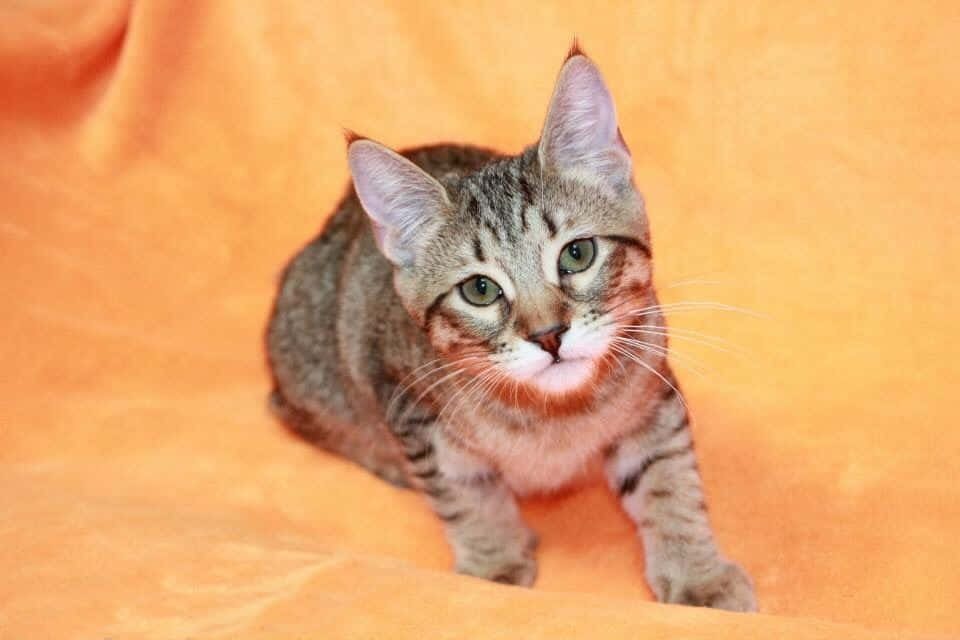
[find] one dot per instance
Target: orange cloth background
(159, 162)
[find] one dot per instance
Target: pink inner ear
(588, 116)
(379, 233)
(374, 178)
(402, 201)
(581, 130)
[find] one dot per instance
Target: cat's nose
(549, 339)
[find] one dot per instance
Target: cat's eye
(480, 291)
(577, 256)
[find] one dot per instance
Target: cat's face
(525, 280)
(517, 271)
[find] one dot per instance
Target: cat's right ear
(581, 136)
(405, 204)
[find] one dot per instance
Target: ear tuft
(352, 136)
(575, 49)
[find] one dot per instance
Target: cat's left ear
(581, 137)
(404, 203)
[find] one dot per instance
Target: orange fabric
(160, 162)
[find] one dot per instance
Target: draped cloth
(160, 161)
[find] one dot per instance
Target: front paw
(512, 562)
(724, 586)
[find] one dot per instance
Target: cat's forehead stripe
(548, 220)
(526, 189)
(473, 206)
(498, 196)
(478, 249)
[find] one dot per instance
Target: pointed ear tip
(351, 136)
(360, 148)
(575, 50)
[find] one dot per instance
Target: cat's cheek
(446, 335)
(527, 361)
(636, 279)
(586, 343)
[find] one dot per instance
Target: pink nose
(549, 339)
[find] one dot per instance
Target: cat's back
(301, 336)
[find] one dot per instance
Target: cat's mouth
(564, 374)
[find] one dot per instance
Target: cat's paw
(726, 586)
(521, 572)
(512, 563)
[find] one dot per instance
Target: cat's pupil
(481, 286)
(574, 250)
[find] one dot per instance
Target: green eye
(480, 291)
(577, 256)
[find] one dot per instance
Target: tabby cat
(481, 326)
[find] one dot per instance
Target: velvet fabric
(160, 161)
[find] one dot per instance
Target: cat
(479, 326)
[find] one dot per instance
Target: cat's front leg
(654, 471)
(484, 527)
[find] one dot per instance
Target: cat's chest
(557, 451)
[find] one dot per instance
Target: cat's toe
(521, 572)
(507, 559)
(728, 587)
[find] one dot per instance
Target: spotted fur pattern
(379, 356)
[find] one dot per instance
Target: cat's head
(517, 269)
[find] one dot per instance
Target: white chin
(564, 376)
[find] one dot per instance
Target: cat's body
(480, 339)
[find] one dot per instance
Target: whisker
(427, 391)
(681, 359)
(639, 361)
(689, 335)
(401, 391)
(401, 388)
(608, 356)
(683, 283)
(491, 375)
(472, 384)
(692, 305)
(690, 332)
(617, 306)
(490, 388)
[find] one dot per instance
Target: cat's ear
(581, 136)
(404, 203)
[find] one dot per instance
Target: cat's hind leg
(372, 447)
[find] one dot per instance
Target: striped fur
(378, 356)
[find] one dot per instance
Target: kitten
(467, 323)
